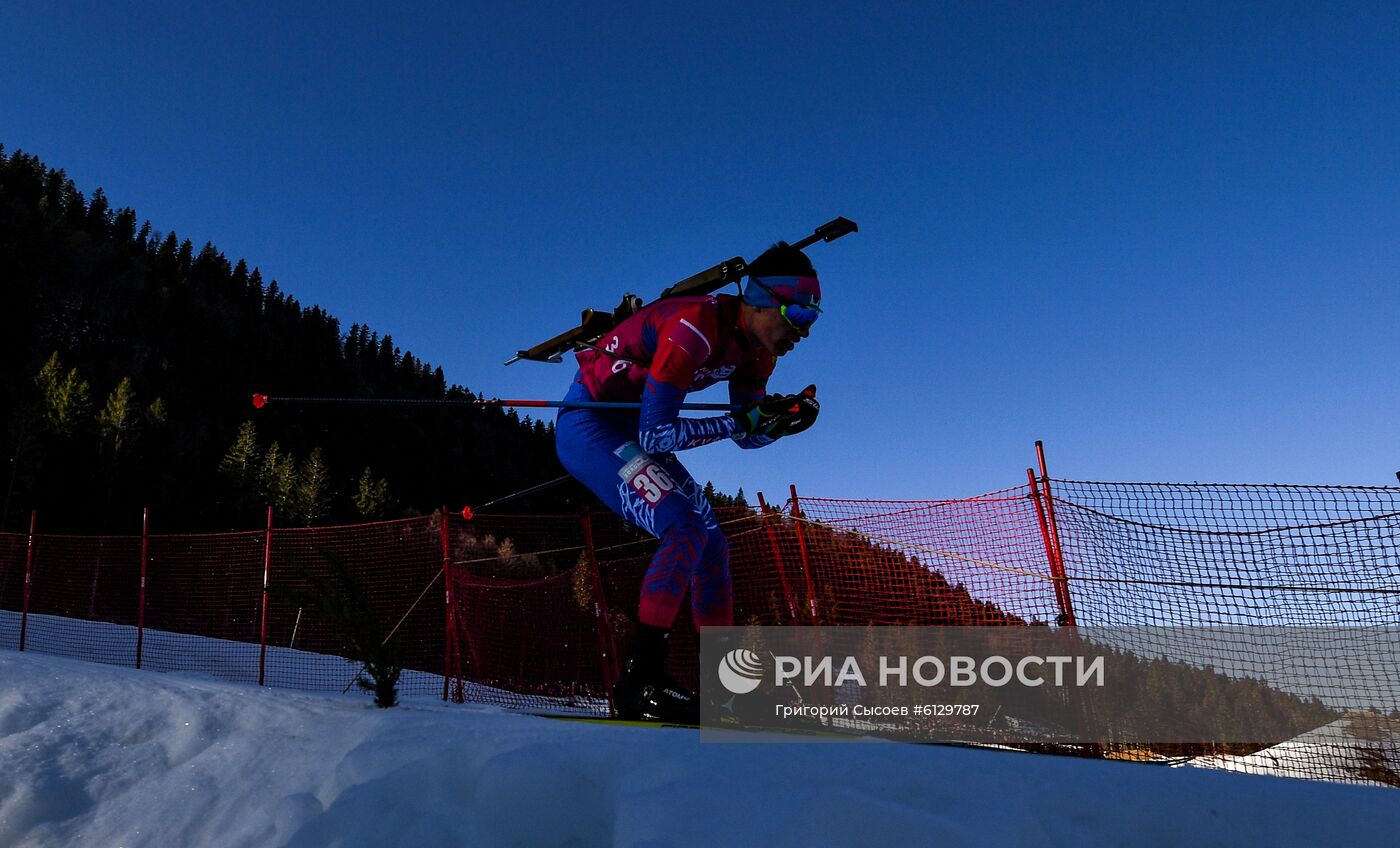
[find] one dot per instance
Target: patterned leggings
(656, 493)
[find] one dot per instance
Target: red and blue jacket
(668, 349)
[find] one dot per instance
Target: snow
(101, 755)
(1338, 751)
(104, 642)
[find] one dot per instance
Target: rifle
(596, 323)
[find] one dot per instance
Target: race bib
(647, 478)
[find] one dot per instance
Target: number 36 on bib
(646, 477)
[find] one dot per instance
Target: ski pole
(261, 400)
(468, 513)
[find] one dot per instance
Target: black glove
(776, 416)
(805, 413)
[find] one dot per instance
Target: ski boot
(645, 692)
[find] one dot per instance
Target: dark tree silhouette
(117, 300)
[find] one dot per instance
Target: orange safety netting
(534, 611)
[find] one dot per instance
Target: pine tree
(185, 258)
(241, 470)
(124, 226)
(339, 600)
(277, 478)
(168, 247)
(311, 496)
(119, 419)
(372, 496)
(99, 214)
(255, 290)
(67, 398)
(117, 427)
(240, 277)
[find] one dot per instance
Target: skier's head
(782, 298)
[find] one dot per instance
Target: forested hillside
(128, 358)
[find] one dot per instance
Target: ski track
(97, 755)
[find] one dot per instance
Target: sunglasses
(797, 316)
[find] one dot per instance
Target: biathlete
(628, 458)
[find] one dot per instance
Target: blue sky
(1164, 238)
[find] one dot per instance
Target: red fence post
(141, 598)
(802, 546)
(267, 574)
(777, 556)
(1061, 590)
(28, 580)
(1057, 563)
(600, 611)
(451, 650)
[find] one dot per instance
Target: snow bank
(1341, 751)
(98, 755)
(224, 659)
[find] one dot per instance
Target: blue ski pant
(656, 493)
